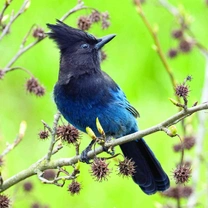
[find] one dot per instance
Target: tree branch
(24, 48)
(13, 18)
(42, 164)
(153, 32)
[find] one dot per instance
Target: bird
(84, 92)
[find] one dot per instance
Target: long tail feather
(149, 174)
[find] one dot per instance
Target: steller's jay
(84, 92)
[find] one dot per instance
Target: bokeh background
(131, 62)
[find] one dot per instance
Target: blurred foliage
(131, 62)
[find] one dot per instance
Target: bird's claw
(84, 158)
(110, 150)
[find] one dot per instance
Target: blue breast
(82, 100)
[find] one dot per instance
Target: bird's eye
(85, 45)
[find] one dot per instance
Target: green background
(131, 62)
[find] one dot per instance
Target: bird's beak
(102, 41)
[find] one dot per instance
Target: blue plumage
(84, 92)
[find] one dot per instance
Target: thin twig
(40, 165)
(17, 140)
(153, 33)
(53, 136)
(24, 48)
(6, 4)
(20, 52)
(78, 7)
(20, 68)
(13, 18)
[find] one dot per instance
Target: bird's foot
(109, 150)
(84, 157)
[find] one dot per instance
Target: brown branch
(24, 48)
(42, 164)
(53, 136)
(153, 33)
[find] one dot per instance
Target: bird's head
(79, 50)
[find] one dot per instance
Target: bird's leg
(104, 140)
(84, 158)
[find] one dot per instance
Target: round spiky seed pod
(4, 201)
(49, 174)
(74, 187)
(43, 134)
(68, 134)
(182, 174)
(189, 142)
(177, 34)
(178, 192)
(185, 46)
(126, 167)
(99, 169)
(182, 90)
(27, 186)
(172, 53)
(36, 205)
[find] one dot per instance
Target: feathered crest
(66, 36)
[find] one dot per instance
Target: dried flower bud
(2, 73)
(172, 53)
(38, 33)
(172, 192)
(185, 46)
(103, 55)
(182, 174)
(136, 2)
(99, 169)
(49, 174)
(35, 205)
(182, 90)
(43, 134)
(177, 147)
(68, 133)
(187, 191)
(74, 187)
(189, 78)
(28, 186)
(178, 192)
(1, 162)
(39, 91)
(105, 20)
(177, 34)
(189, 142)
(105, 24)
(95, 16)
(105, 15)
(84, 23)
(126, 167)
(4, 201)
(34, 87)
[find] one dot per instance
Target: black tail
(149, 174)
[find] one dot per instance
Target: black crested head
(79, 50)
(66, 36)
